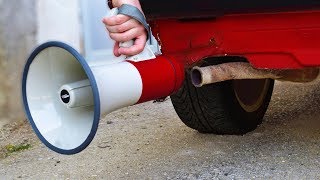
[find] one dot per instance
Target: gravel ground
(148, 141)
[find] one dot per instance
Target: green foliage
(9, 149)
(16, 148)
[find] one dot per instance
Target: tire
(229, 107)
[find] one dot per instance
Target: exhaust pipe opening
(196, 77)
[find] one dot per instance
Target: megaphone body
(64, 96)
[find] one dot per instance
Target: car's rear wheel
(229, 107)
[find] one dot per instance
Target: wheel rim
(251, 93)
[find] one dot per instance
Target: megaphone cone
(49, 67)
(64, 97)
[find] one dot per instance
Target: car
(249, 43)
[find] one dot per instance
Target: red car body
(283, 40)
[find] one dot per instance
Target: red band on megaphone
(160, 77)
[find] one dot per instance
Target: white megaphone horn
(64, 97)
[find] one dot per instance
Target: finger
(130, 24)
(137, 47)
(115, 20)
(128, 35)
(116, 49)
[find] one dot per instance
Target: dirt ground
(148, 141)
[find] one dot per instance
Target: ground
(148, 141)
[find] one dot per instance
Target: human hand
(123, 28)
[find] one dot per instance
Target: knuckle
(118, 29)
(121, 28)
(138, 31)
(113, 36)
(135, 22)
(118, 20)
(141, 30)
(126, 38)
(121, 18)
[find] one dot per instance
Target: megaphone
(64, 96)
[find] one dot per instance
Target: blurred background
(24, 24)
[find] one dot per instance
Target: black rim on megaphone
(93, 84)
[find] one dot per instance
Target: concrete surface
(17, 38)
(148, 141)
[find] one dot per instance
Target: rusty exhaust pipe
(242, 70)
